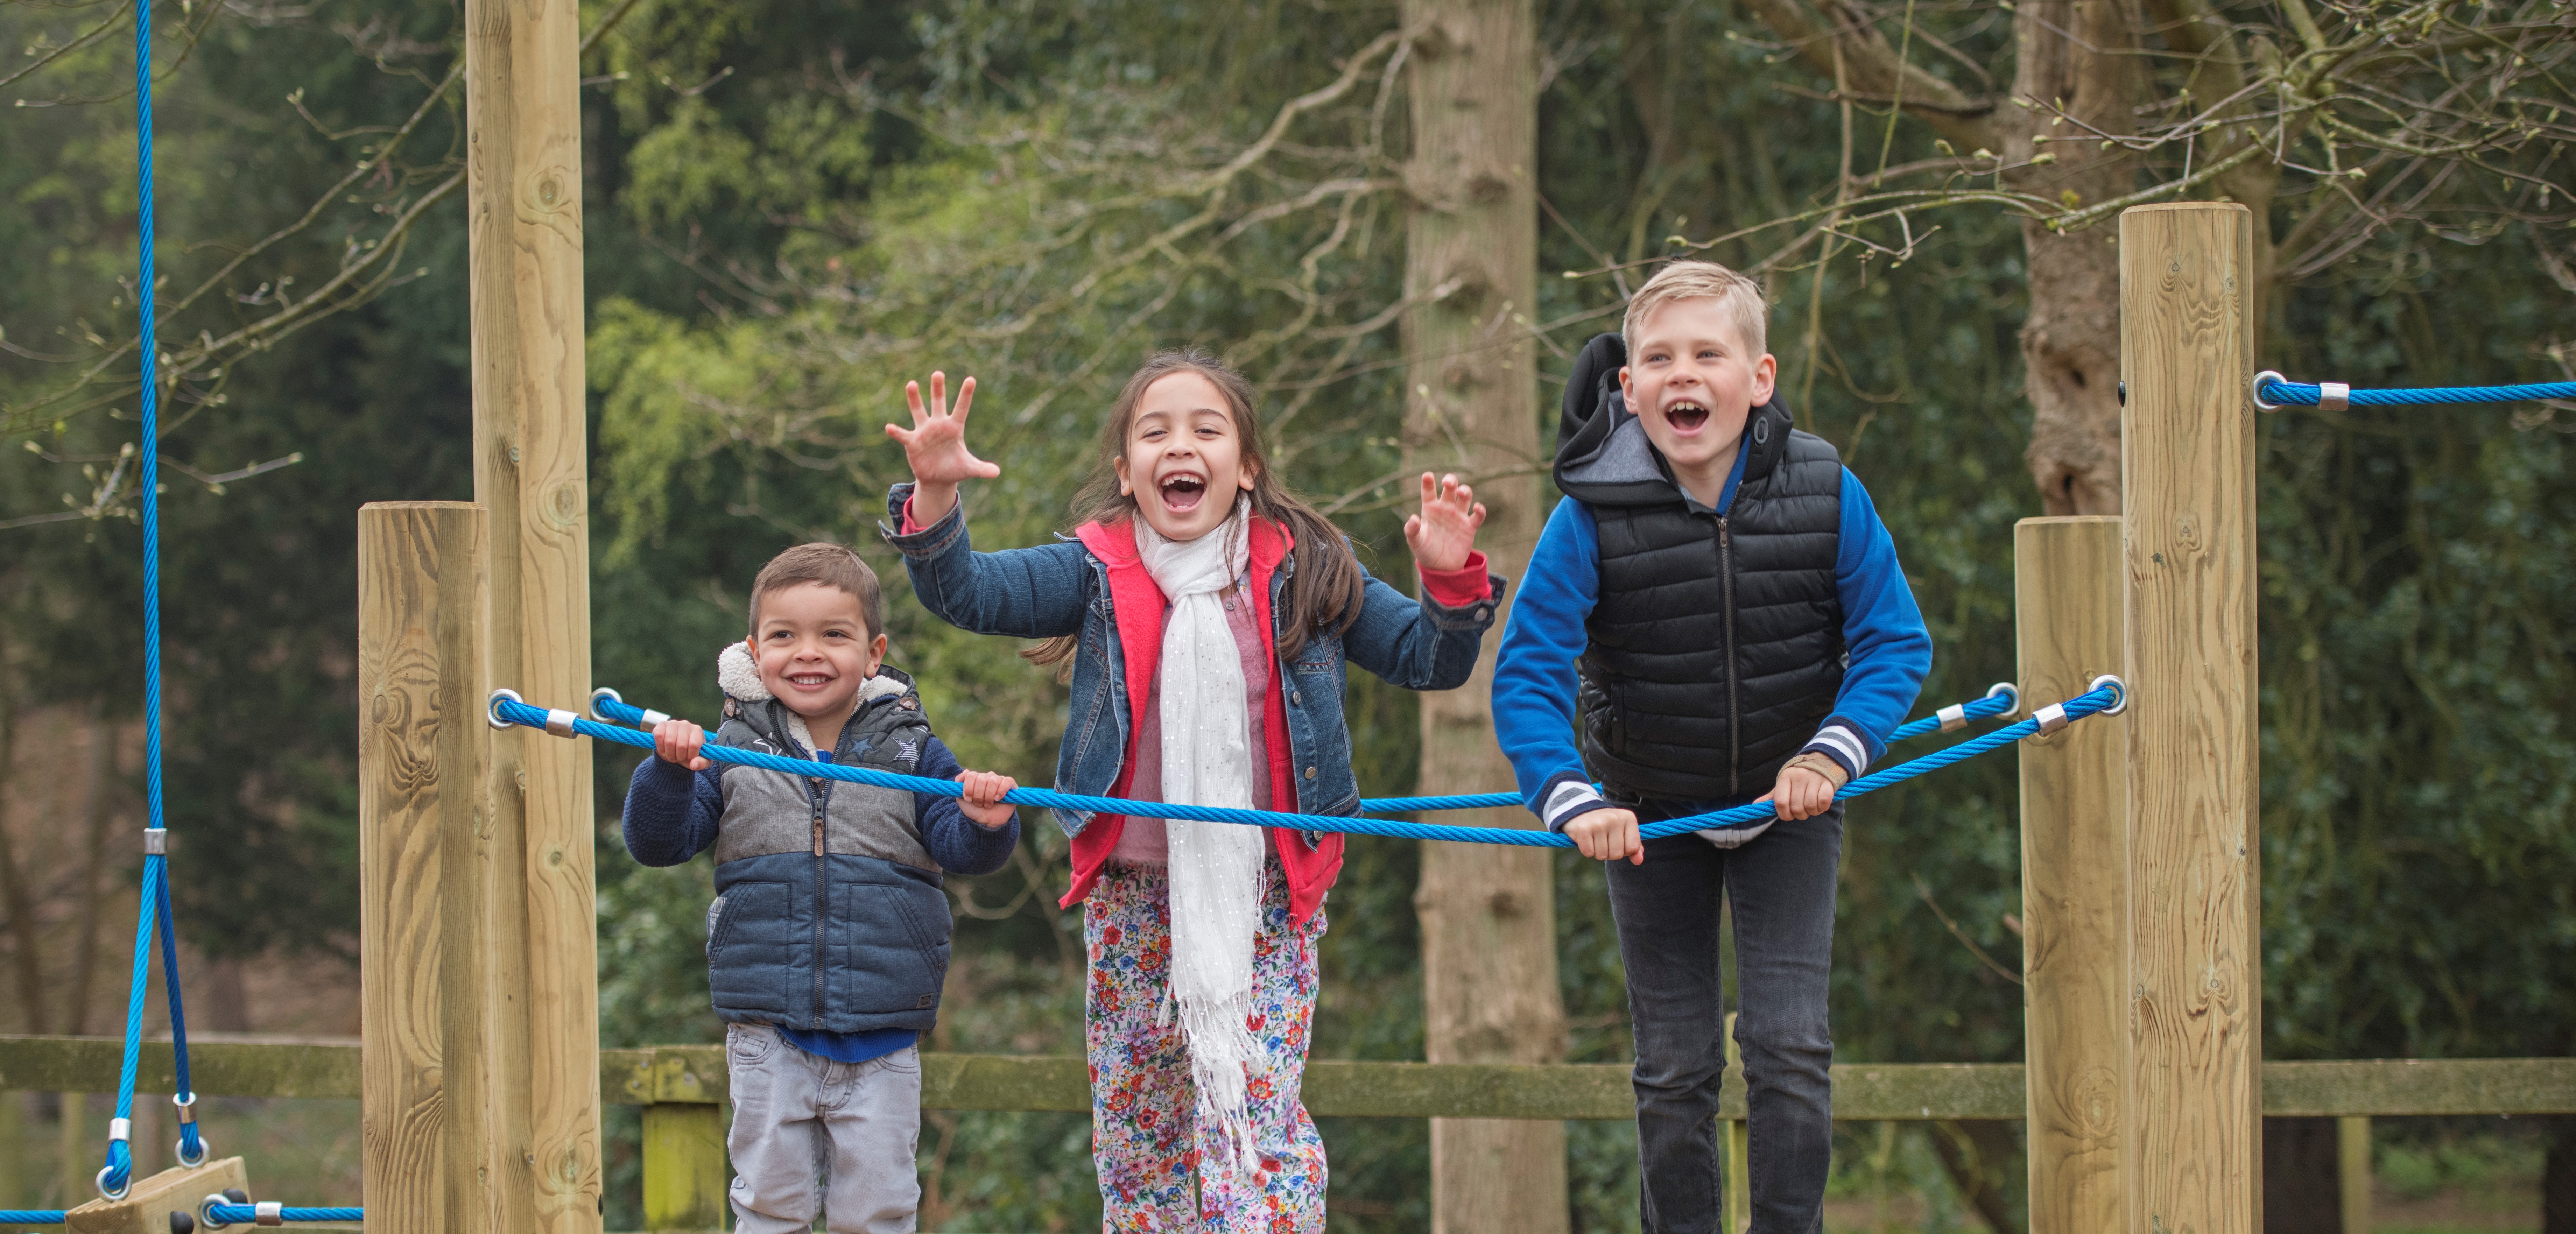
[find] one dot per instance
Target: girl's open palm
(935, 445)
(1444, 534)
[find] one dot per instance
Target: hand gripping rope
(2106, 696)
(2002, 699)
(2272, 392)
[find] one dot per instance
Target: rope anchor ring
(2005, 689)
(2118, 687)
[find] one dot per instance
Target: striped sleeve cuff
(1568, 797)
(1843, 744)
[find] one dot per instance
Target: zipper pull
(1722, 538)
(818, 830)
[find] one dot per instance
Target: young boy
(828, 938)
(1719, 601)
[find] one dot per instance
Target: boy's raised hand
(1444, 534)
(678, 741)
(983, 802)
(935, 446)
(1608, 834)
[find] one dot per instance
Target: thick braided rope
(31, 1216)
(608, 704)
(2306, 394)
(245, 1214)
(512, 711)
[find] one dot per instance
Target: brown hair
(1738, 296)
(1329, 583)
(832, 565)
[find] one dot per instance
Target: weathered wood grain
(2194, 1103)
(150, 1201)
(524, 236)
(2074, 874)
(684, 1167)
(426, 881)
(327, 1067)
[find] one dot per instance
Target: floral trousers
(1146, 1138)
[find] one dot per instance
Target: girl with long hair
(1203, 614)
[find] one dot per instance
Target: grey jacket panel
(769, 812)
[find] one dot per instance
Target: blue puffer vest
(829, 913)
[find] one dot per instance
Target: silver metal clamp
(2112, 680)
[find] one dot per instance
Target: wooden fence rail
(682, 1090)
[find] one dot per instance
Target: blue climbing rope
(153, 907)
(31, 1216)
(2002, 700)
(2272, 391)
(245, 1214)
(508, 708)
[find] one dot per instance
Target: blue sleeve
(1022, 592)
(955, 841)
(1418, 644)
(1890, 650)
(1534, 679)
(671, 812)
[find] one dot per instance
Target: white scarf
(1215, 867)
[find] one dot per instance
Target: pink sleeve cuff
(1457, 588)
(910, 528)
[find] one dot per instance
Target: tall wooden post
(1489, 976)
(437, 1144)
(2074, 875)
(2196, 1019)
(523, 161)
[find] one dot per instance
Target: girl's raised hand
(1444, 534)
(935, 445)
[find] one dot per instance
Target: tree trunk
(14, 899)
(1488, 913)
(2073, 53)
(2302, 1190)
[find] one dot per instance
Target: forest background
(792, 206)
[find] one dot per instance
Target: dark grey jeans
(1781, 884)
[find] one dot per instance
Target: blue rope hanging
(153, 907)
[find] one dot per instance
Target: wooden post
(2352, 1171)
(437, 1141)
(523, 230)
(2074, 874)
(684, 1167)
(2194, 1091)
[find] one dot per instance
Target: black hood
(1602, 455)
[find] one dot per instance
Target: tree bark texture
(1488, 913)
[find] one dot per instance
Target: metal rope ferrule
(187, 1103)
(2051, 718)
(2334, 396)
(156, 842)
(273, 1212)
(560, 722)
(1954, 716)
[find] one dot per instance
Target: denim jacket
(1066, 588)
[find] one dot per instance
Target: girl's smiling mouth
(1182, 491)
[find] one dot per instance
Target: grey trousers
(1781, 885)
(796, 1116)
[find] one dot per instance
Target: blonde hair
(1739, 297)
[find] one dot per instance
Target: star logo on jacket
(907, 751)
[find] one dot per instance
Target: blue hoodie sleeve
(671, 812)
(957, 842)
(1890, 651)
(1534, 678)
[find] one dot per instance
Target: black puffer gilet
(1716, 644)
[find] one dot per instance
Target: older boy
(1718, 599)
(828, 938)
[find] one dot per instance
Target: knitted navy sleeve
(954, 840)
(671, 812)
